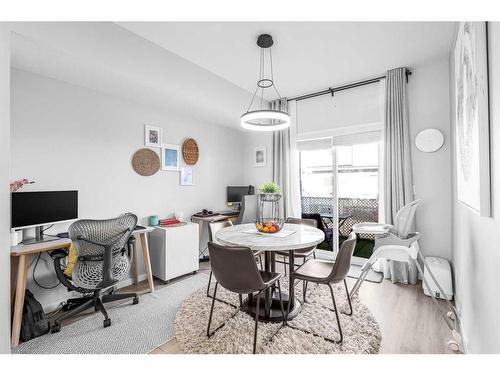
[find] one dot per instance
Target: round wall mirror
(429, 140)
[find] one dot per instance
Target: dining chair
(213, 228)
(328, 272)
(300, 253)
(234, 267)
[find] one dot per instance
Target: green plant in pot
(270, 194)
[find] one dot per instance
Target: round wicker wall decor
(190, 151)
(146, 162)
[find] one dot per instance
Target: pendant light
(263, 119)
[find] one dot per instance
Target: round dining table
(292, 237)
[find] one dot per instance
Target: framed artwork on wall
(259, 156)
(170, 160)
(152, 136)
(472, 117)
(187, 178)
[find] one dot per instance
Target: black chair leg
(304, 289)
(348, 298)
(256, 324)
(336, 314)
(101, 308)
(241, 299)
(117, 297)
(76, 310)
(281, 303)
(209, 281)
(212, 309)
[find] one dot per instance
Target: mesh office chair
(102, 262)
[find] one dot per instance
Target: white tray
(371, 228)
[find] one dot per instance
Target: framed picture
(152, 136)
(187, 176)
(170, 157)
(259, 156)
(472, 117)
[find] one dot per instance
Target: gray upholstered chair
(301, 253)
(213, 228)
(248, 212)
(235, 269)
(327, 273)
(102, 262)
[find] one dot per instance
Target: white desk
(19, 256)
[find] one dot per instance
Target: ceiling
(307, 56)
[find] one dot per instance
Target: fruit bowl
(269, 225)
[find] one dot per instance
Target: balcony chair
(235, 269)
(328, 273)
(102, 262)
(321, 226)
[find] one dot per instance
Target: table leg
(14, 263)
(21, 277)
(147, 261)
(135, 268)
(268, 265)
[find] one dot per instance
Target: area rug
(361, 331)
(135, 329)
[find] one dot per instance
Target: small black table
(341, 217)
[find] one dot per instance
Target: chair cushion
(314, 269)
(270, 277)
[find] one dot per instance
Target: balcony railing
(360, 209)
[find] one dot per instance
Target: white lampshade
(265, 120)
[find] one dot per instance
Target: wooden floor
(409, 321)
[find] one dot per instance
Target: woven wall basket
(190, 151)
(146, 162)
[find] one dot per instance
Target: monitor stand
(39, 237)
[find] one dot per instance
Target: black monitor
(38, 208)
(235, 193)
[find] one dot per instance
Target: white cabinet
(174, 250)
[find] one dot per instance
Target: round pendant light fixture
(265, 119)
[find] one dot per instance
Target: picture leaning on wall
(472, 117)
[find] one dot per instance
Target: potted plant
(270, 192)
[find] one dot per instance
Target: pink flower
(18, 184)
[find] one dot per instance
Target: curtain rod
(332, 90)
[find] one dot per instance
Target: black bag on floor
(34, 322)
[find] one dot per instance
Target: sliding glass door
(340, 181)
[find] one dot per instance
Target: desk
(20, 262)
(203, 222)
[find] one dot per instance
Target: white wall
(4, 192)
(257, 175)
(429, 107)
(70, 137)
(476, 256)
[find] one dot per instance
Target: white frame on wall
(147, 129)
(262, 149)
(164, 165)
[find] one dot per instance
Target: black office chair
(102, 262)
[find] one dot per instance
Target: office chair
(102, 262)
(248, 212)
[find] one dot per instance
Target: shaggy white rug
(361, 330)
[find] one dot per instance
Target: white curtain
(398, 180)
(286, 161)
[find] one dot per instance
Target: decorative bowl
(269, 225)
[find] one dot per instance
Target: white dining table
(292, 237)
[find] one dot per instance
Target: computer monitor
(39, 208)
(235, 193)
